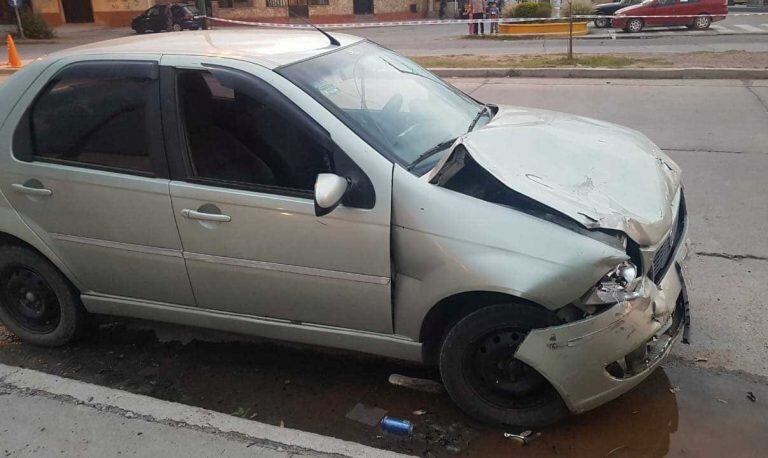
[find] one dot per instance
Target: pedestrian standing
(468, 15)
(492, 13)
(478, 13)
(443, 5)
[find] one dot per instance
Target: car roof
(270, 47)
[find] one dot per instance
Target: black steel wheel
(482, 375)
(29, 299)
(37, 303)
(494, 373)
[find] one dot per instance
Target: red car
(695, 14)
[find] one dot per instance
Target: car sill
(390, 346)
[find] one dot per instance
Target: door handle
(194, 214)
(20, 188)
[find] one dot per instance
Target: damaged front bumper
(595, 360)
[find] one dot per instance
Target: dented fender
(445, 243)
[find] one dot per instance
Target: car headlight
(620, 284)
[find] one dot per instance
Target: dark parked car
(607, 9)
(157, 18)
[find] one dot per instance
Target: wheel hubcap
(29, 299)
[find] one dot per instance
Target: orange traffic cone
(13, 56)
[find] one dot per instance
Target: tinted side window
(94, 117)
(236, 133)
(241, 132)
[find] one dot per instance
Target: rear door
(242, 195)
(686, 9)
(663, 13)
(89, 176)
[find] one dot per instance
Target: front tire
(176, 28)
(634, 25)
(37, 302)
(484, 379)
(702, 22)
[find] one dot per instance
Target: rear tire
(634, 25)
(602, 22)
(37, 302)
(702, 22)
(484, 379)
(176, 28)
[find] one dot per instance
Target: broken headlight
(620, 284)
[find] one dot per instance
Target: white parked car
(332, 192)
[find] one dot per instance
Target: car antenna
(333, 41)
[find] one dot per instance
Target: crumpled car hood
(600, 174)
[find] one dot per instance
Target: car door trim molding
(118, 245)
(287, 268)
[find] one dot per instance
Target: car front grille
(663, 256)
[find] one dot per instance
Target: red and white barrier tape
(351, 25)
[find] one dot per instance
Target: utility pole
(570, 31)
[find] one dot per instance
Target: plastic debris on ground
(524, 438)
(365, 414)
(421, 384)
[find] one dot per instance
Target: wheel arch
(449, 310)
(32, 242)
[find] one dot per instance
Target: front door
(362, 6)
(243, 201)
(92, 181)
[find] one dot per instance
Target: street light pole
(15, 4)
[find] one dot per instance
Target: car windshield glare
(395, 105)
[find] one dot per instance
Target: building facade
(118, 13)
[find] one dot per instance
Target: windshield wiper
(430, 152)
(479, 115)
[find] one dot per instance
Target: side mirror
(329, 190)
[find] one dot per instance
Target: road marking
(748, 28)
(721, 28)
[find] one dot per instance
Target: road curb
(633, 73)
(135, 406)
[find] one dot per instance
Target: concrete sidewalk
(46, 415)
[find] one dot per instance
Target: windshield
(394, 104)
